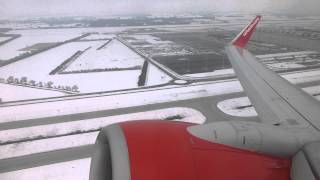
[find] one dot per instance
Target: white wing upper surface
(275, 99)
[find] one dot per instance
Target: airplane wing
(276, 100)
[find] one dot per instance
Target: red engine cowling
(162, 150)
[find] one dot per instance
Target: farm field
(106, 59)
(92, 64)
(54, 103)
(14, 93)
(29, 38)
(111, 57)
(87, 82)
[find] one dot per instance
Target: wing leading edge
(275, 99)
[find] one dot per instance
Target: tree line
(24, 81)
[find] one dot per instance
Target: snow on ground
(13, 93)
(231, 107)
(314, 90)
(120, 100)
(94, 124)
(285, 65)
(113, 55)
(150, 39)
(45, 145)
(214, 73)
(116, 100)
(155, 76)
(242, 106)
(31, 37)
(73, 141)
(303, 77)
(77, 169)
(39, 66)
(288, 55)
(4, 38)
(97, 36)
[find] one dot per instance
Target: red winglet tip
(243, 38)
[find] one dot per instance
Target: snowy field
(118, 100)
(237, 107)
(150, 39)
(285, 65)
(77, 169)
(303, 77)
(219, 72)
(12, 93)
(242, 106)
(152, 46)
(99, 36)
(26, 141)
(31, 37)
(65, 141)
(287, 55)
(114, 55)
(39, 66)
(2, 39)
(94, 124)
(155, 76)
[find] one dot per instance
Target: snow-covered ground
(10, 92)
(57, 138)
(152, 46)
(214, 73)
(242, 106)
(93, 124)
(98, 36)
(314, 90)
(303, 77)
(113, 55)
(77, 169)
(4, 38)
(118, 100)
(150, 39)
(45, 145)
(237, 107)
(155, 76)
(285, 65)
(31, 37)
(288, 54)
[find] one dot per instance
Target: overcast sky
(22, 8)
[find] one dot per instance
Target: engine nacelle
(258, 137)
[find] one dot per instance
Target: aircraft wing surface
(276, 100)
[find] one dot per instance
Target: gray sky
(22, 8)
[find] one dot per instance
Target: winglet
(242, 39)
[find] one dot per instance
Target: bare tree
(16, 81)
(32, 83)
(50, 84)
(75, 88)
(24, 80)
(68, 88)
(10, 79)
